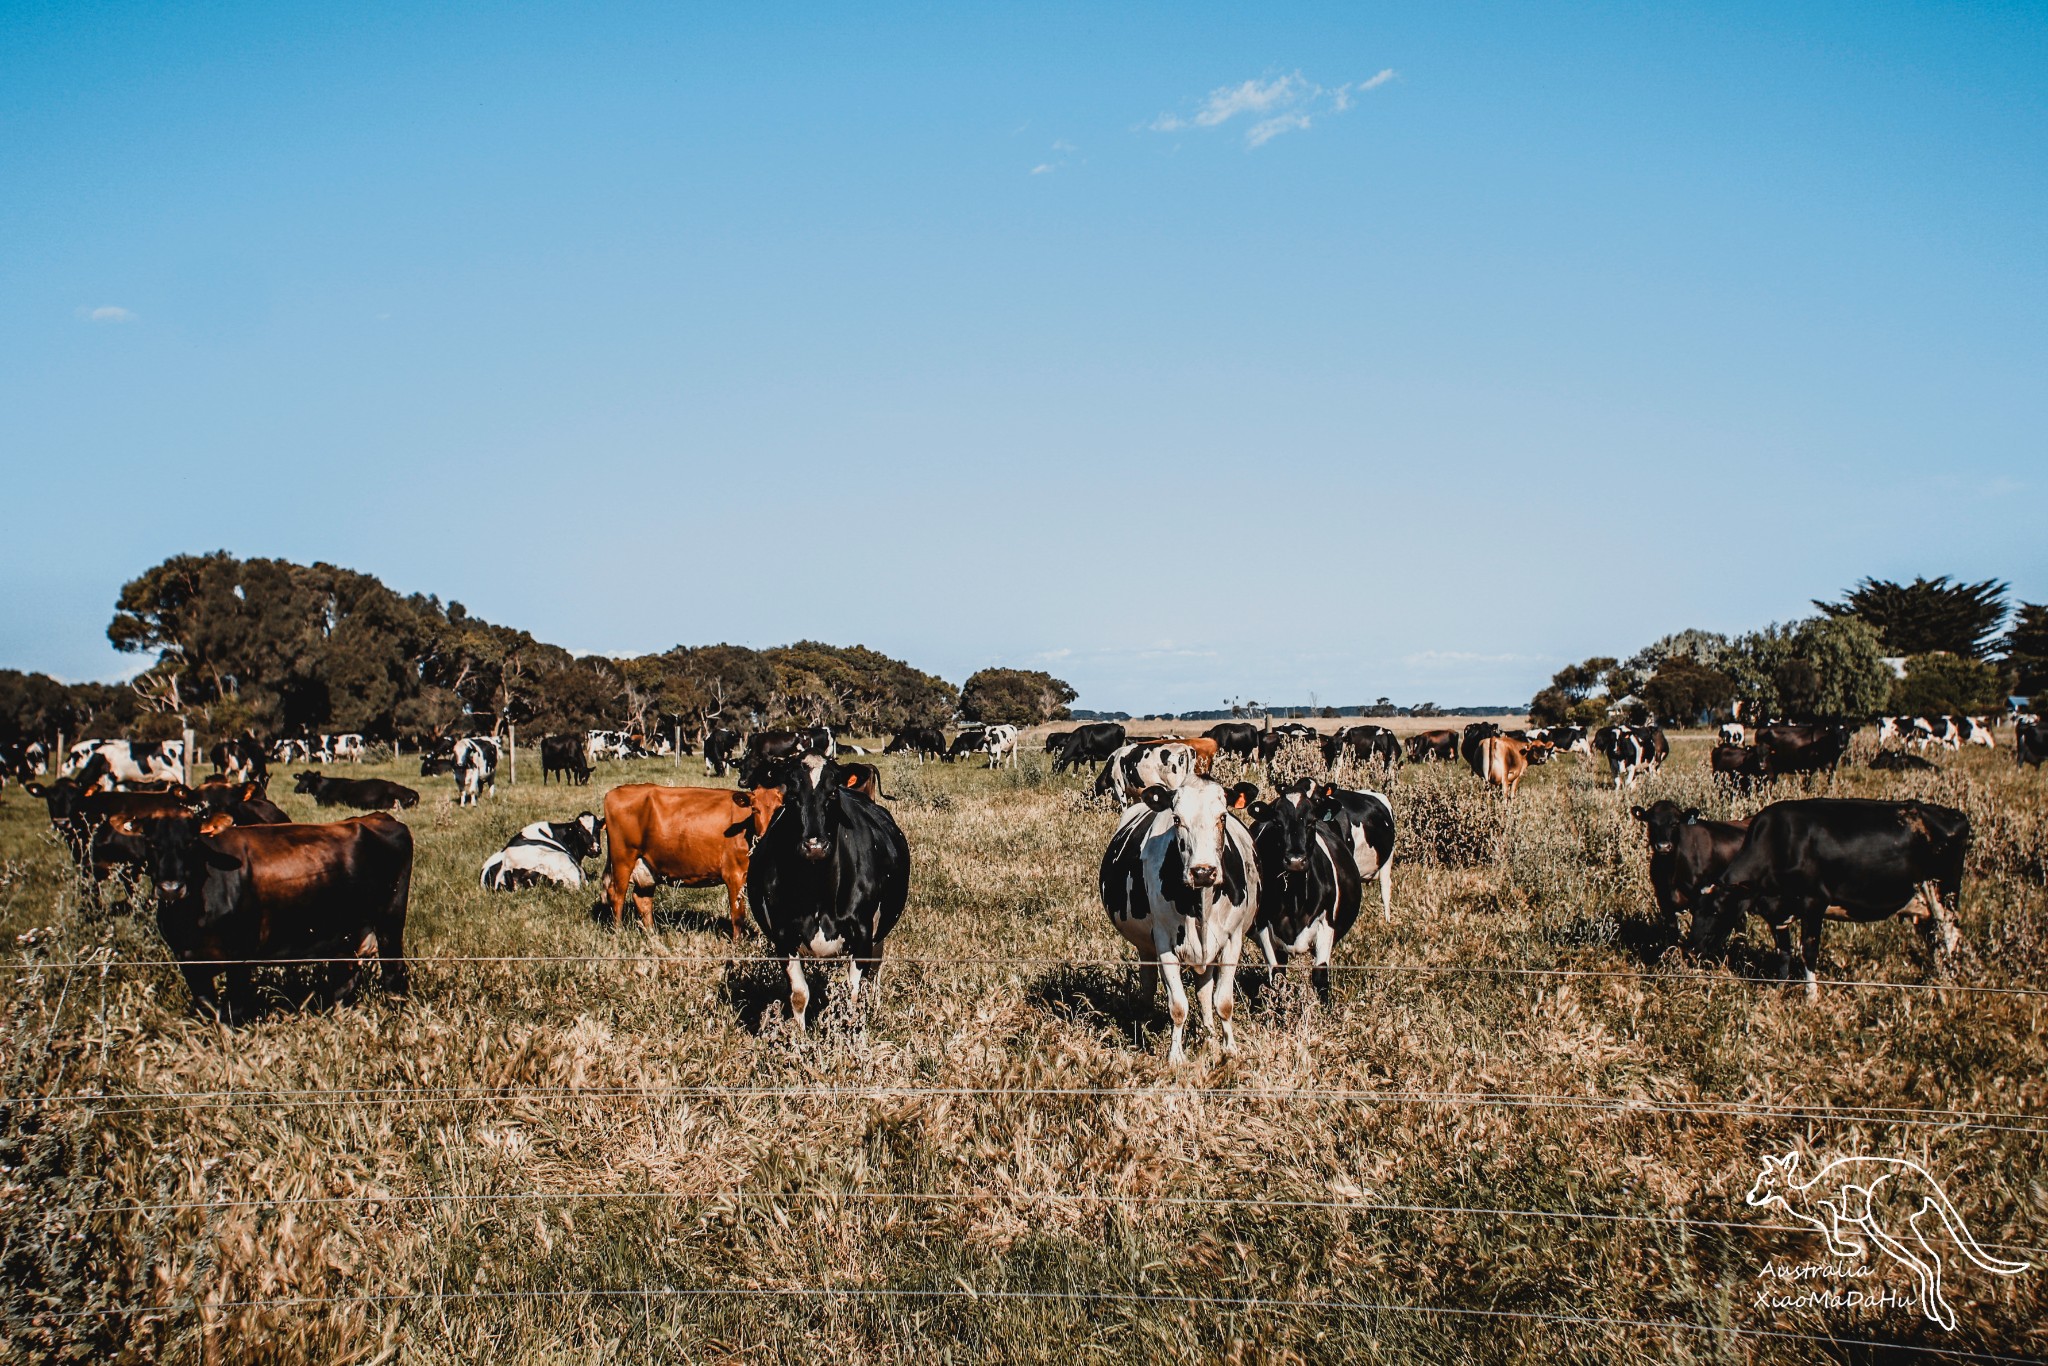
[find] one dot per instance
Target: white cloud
(1289, 104)
(108, 313)
(1043, 168)
(1264, 132)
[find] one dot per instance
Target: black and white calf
(1308, 886)
(1628, 754)
(1180, 880)
(546, 851)
(476, 769)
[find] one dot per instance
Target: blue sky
(1187, 351)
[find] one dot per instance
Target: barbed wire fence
(208, 1308)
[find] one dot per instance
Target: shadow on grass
(757, 990)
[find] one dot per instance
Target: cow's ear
(214, 824)
(35, 789)
(1326, 791)
(121, 825)
(1639, 813)
(1258, 811)
(1692, 816)
(742, 799)
(1241, 794)
(1156, 797)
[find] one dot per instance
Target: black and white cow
(828, 879)
(1133, 768)
(1308, 886)
(1364, 821)
(241, 759)
(2029, 743)
(972, 740)
(1180, 881)
(1975, 730)
(1628, 754)
(1732, 733)
(476, 769)
(1000, 743)
(349, 747)
(131, 761)
(546, 851)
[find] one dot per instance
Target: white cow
(1180, 880)
(476, 769)
(349, 747)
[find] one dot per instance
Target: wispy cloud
(1282, 104)
(1062, 150)
(108, 313)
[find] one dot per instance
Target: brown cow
(1503, 760)
(1433, 744)
(695, 836)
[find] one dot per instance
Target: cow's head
(812, 802)
(1283, 838)
(1664, 819)
(1201, 845)
(61, 795)
(179, 849)
(308, 782)
(757, 807)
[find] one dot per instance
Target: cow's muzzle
(1202, 875)
(816, 849)
(1297, 864)
(170, 887)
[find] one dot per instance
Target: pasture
(1524, 1127)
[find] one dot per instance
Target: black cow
(568, 755)
(80, 817)
(766, 751)
(828, 879)
(1742, 765)
(970, 741)
(1308, 886)
(229, 896)
(245, 803)
(1802, 747)
(364, 794)
(1234, 737)
(1687, 854)
(1824, 857)
(926, 742)
(1898, 761)
(1091, 743)
(2029, 743)
(1056, 740)
(719, 744)
(1372, 744)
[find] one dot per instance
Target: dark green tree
(1927, 615)
(1570, 698)
(1683, 689)
(1946, 685)
(1017, 697)
(2026, 649)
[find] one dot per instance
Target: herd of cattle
(1195, 866)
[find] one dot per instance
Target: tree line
(1952, 660)
(273, 648)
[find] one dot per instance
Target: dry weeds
(633, 1158)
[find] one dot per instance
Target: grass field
(611, 1147)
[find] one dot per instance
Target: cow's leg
(1326, 942)
(1811, 919)
(799, 993)
(1176, 1005)
(1224, 973)
(735, 884)
(1386, 877)
(618, 877)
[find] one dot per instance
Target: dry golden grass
(632, 1158)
